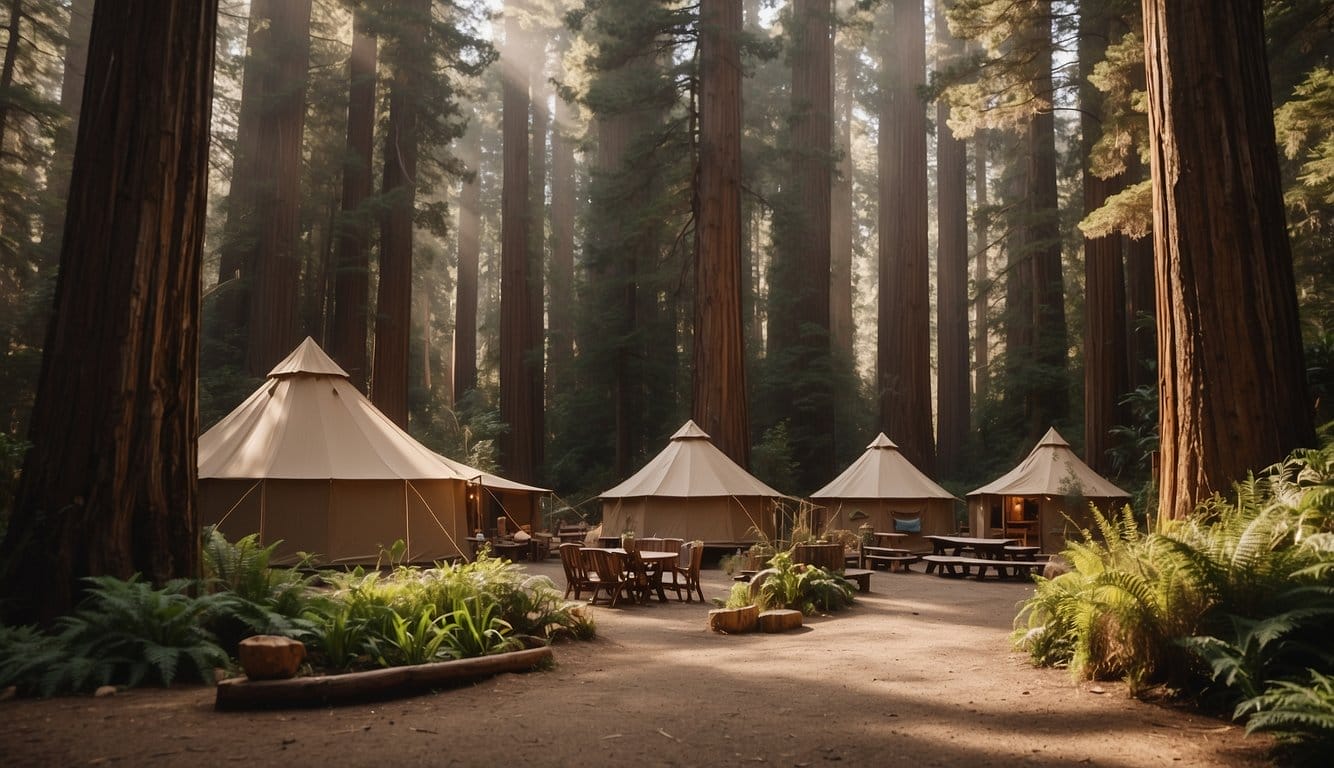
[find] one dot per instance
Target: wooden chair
(686, 576)
(673, 545)
(611, 575)
(650, 544)
(576, 575)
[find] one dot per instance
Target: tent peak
(882, 441)
(308, 359)
(690, 431)
(1053, 438)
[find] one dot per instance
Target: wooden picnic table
(656, 564)
(955, 545)
(887, 538)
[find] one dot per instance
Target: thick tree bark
(719, 403)
(465, 303)
(109, 484)
(276, 263)
(1106, 379)
(516, 323)
(1048, 395)
(393, 304)
(952, 267)
(903, 349)
(1230, 361)
(352, 258)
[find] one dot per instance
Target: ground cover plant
(1232, 606)
(126, 633)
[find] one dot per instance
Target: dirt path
(919, 671)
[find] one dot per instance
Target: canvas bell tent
(1034, 500)
(883, 489)
(691, 490)
(308, 460)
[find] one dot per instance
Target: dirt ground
(918, 673)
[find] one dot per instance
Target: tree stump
(779, 619)
(271, 657)
(734, 621)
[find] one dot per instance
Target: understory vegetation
(1233, 606)
(127, 633)
(797, 586)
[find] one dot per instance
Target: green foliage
(739, 597)
(805, 588)
(1234, 602)
(411, 642)
(126, 632)
(1296, 710)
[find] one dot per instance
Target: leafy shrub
(805, 588)
(1236, 602)
(126, 632)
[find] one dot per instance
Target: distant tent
(882, 488)
(691, 490)
(1034, 499)
(308, 460)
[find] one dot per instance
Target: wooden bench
(861, 576)
(962, 566)
(889, 556)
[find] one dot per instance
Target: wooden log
(270, 657)
(779, 619)
(734, 621)
(243, 693)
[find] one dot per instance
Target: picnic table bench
(955, 565)
(889, 556)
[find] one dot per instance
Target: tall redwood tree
(719, 403)
(352, 257)
(1232, 379)
(903, 354)
(109, 484)
(952, 388)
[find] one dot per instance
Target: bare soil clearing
(919, 672)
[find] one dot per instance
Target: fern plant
(474, 629)
(1296, 710)
(126, 632)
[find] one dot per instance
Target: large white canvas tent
(1034, 500)
(308, 460)
(691, 490)
(883, 489)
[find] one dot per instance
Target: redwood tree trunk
(799, 295)
(13, 30)
(903, 354)
(393, 305)
(719, 403)
(352, 276)
(1141, 313)
(273, 327)
(1106, 379)
(1047, 397)
(981, 332)
(240, 229)
(560, 333)
(465, 305)
(109, 484)
(952, 267)
(62, 148)
(841, 324)
(1230, 362)
(535, 356)
(516, 407)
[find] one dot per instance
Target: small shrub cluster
(806, 588)
(1234, 605)
(128, 632)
